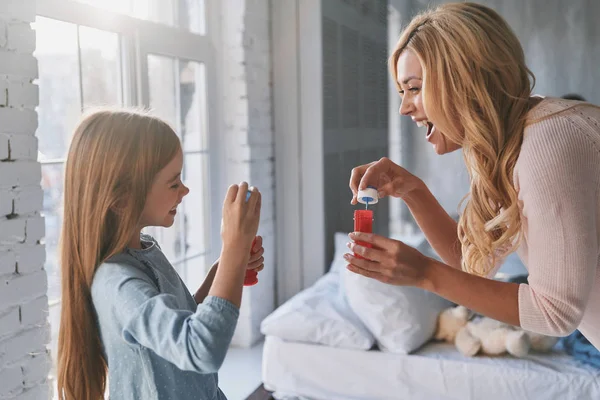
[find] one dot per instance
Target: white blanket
(436, 372)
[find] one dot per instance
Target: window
(151, 53)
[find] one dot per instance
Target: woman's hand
(257, 261)
(240, 217)
(389, 178)
(388, 261)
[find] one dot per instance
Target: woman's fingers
(378, 241)
(369, 274)
(367, 252)
(363, 263)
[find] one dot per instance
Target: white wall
(24, 331)
(245, 84)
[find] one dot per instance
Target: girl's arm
(124, 296)
(202, 291)
(256, 263)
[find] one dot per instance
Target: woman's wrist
(431, 274)
(416, 193)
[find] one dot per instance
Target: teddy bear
(474, 334)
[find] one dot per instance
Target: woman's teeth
(422, 123)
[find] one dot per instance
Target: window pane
(100, 67)
(195, 204)
(192, 99)
(52, 184)
(186, 14)
(193, 271)
(170, 239)
(54, 320)
(60, 105)
(192, 15)
(161, 80)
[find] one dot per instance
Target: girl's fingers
(256, 264)
(257, 255)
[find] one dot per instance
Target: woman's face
(410, 80)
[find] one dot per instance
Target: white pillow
(401, 318)
(316, 315)
(321, 314)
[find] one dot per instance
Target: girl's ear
(119, 206)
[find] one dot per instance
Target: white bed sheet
(436, 372)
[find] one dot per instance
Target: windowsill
(241, 372)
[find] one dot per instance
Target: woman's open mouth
(429, 125)
(430, 129)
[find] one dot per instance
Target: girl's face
(410, 80)
(165, 195)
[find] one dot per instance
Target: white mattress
(438, 371)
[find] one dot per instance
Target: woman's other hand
(388, 260)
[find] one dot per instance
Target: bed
(307, 371)
(316, 350)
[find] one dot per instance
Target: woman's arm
(393, 262)
(393, 180)
(439, 228)
(494, 299)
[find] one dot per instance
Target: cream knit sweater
(557, 177)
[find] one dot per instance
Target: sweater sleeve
(557, 176)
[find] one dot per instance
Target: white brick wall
(24, 330)
(248, 137)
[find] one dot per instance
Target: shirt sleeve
(558, 175)
(193, 341)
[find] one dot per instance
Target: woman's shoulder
(559, 125)
(562, 136)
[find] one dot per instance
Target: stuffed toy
(472, 336)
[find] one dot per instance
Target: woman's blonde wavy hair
(477, 89)
(112, 162)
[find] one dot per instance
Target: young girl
(534, 167)
(125, 309)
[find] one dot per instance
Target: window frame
(138, 39)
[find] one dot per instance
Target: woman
(534, 167)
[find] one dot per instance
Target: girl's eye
(175, 186)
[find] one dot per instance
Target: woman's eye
(401, 93)
(414, 90)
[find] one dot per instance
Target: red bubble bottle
(363, 219)
(251, 277)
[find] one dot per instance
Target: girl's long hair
(112, 162)
(477, 89)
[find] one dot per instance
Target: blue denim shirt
(158, 342)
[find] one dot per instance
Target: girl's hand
(240, 217)
(257, 261)
(389, 178)
(388, 261)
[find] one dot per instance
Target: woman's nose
(406, 107)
